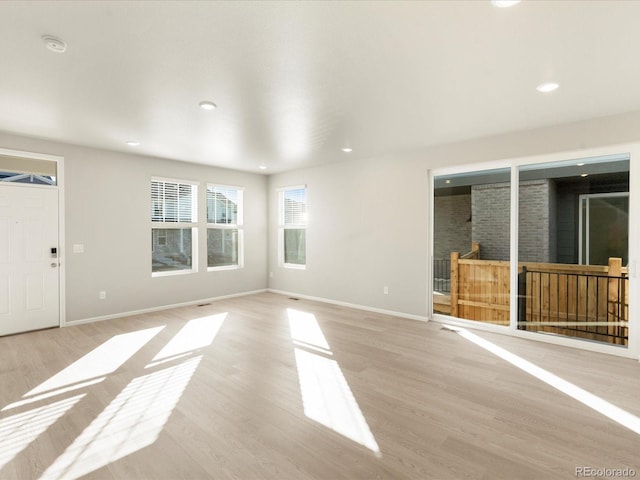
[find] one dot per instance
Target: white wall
(107, 209)
(366, 229)
(368, 219)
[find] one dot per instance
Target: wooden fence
(577, 300)
(582, 301)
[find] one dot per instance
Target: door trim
(61, 219)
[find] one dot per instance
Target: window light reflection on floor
(101, 361)
(326, 396)
(19, 430)
(328, 400)
(195, 334)
(598, 404)
(305, 329)
(52, 393)
(131, 422)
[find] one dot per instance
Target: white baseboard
(159, 308)
(352, 305)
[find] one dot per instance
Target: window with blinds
(225, 234)
(172, 202)
(174, 227)
(293, 227)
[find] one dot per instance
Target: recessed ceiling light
(206, 105)
(262, 167)
(133, 143)
(347, 149)
(54, 44)
(447, 181)
(504, 3)
(547, 87)
(584, 175)
(580, 164)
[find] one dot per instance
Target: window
(224, 227)
(472, 245)
(569, 223)
(293, 226)
(174, 226)
(28, 170)
(573, 248)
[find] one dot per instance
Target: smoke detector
(54, 44)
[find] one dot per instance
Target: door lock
(54, 265)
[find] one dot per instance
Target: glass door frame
(633, 151)
(584, 203)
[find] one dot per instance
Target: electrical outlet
(102, 295)
(385, 290)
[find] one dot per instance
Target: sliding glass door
(571, 278)
(573, 235)
(472, 246)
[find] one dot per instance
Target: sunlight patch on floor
(195, 334)
(328, 400)
(52, 393)
(131, 422)
(19, 430)
(305, 329)
(326, 395)
(101, 361)
(598, 404)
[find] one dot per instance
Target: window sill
(294, 266)
(222, 268)
(173, 272)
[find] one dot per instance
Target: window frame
(238, 226)
(31, 170)
(177, 225)
(283, 226)
(632, 150)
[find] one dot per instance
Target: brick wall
(490, 207)
(490, 220)
(536, 229)
(452, 228)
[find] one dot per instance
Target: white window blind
(294, 207)
(293, 226)
(174, 229)
(172, 202)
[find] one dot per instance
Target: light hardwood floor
(343, 394)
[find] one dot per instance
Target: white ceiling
(297, 81)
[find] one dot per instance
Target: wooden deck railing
(584, 301)
(474, 254)
(590, 302)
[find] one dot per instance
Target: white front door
(29, 268)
